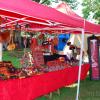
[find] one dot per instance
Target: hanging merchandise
(40, 38)
(4, 36)
(62, 40)
(11, 45)
(34, 44)
(2, 24)
(0, 20)
(17, 26)
(25, 41)
(27, 60)
(93, 50)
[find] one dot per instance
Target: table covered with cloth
(38, 85)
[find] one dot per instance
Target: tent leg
(80, 63)
(0, 51)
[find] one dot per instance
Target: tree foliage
(91, 8)
(47, 2)
(72, 3)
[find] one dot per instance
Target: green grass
(13, 56)
(89, 90)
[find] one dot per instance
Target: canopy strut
(80, 62)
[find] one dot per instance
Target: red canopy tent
(26, 10)
(31, 11)
(65, 8)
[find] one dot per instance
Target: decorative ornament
(27, 60)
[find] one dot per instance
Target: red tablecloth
(33, 87)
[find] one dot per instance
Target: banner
(93, 46)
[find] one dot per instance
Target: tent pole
(0, 51)
(80, 63)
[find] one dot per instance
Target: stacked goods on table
(7, 70)
(56, 66)
(32, 64)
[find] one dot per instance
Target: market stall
(45, 20)
(38, 85)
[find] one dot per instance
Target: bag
(11, 46)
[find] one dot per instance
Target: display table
(53, 57)
(38, 85)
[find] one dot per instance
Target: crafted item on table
(7, 70)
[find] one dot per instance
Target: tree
(72, 3)
(43, 1)
(91, 8)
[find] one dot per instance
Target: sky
(79, 9)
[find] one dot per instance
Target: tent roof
(24, 9)
(66, 9)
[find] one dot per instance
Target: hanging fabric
(11, 45)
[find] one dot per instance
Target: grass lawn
(89, 90)
(13, 56)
